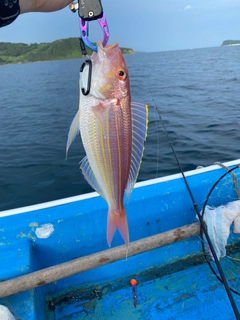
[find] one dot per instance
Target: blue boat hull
(174, 282)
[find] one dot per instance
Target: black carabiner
(89, 62)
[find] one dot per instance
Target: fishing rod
(202, 224)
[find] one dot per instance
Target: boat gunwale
(91, 195)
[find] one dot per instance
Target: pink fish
(113, 130)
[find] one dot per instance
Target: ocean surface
(197, 93)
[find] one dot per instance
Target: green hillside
(57, 50)
(231, 42)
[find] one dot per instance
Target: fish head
(110, 78)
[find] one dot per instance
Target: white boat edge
(90, 195)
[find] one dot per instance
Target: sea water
(197, 93)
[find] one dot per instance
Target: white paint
(44, 231)
(5, 314)
(60, 202)
(187, 174)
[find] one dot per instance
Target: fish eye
(121, 73)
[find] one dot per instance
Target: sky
(143, 25)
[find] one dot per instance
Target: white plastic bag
(5, 314)
(218, 221)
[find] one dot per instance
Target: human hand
(42, 5)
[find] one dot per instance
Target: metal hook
(89, 62)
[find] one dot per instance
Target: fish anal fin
(73, 131)
(139, 134)
(117, 220)
(90, 177)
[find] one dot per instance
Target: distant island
(231, 43)
(57, 50)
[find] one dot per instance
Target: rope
(235, 181)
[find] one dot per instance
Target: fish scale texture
(194, 293)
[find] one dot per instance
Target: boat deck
(191, 293)
(174, 281)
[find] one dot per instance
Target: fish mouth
(108, 47)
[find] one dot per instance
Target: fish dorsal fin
(139, 134)
(73, 131)
(89, 176)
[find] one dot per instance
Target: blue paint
(80, 229)
(26, 305)
(190, 294)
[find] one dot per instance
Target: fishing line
(203, 227)
(158, 143)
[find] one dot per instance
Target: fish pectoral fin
(90, 177)
(98, 111)
(139, 134)
(73, 131)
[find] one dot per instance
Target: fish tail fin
(117, 220)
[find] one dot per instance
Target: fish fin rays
(90, 177)
(98, 112)
(73, 131)
(117, 221)
(139, 134)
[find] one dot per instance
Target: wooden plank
(70, 268)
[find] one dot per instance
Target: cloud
(188, 7)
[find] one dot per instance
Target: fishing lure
(133, 283)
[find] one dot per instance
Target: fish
(113, 130)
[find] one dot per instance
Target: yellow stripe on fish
(113, 131)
